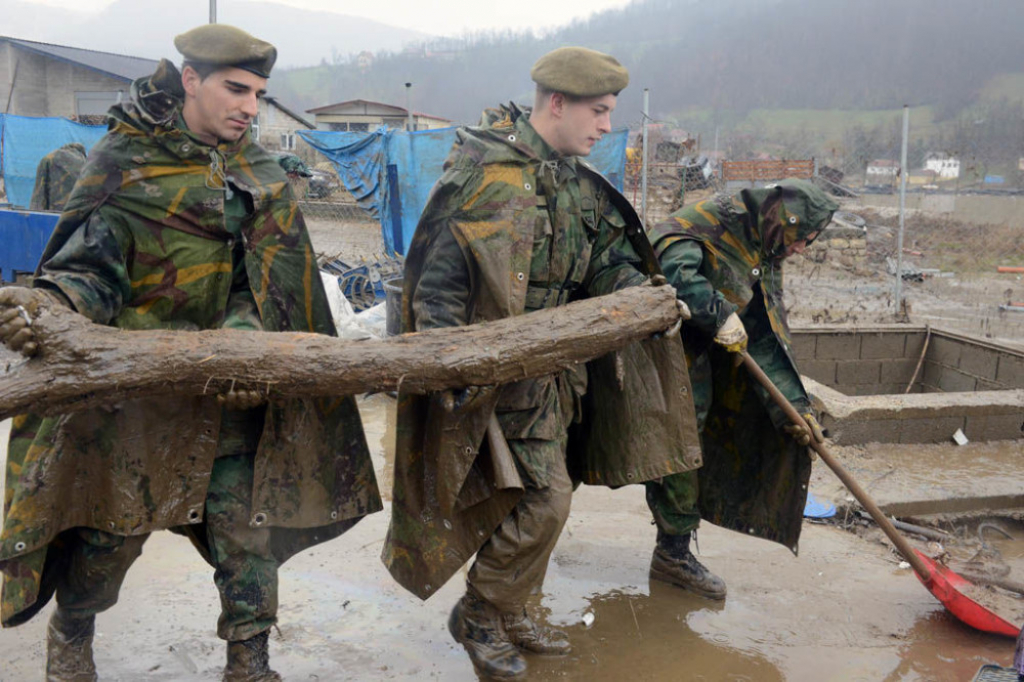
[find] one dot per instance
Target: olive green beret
(223, 45)
(580, 72)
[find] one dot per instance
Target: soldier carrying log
(519, 223)
(179, 221)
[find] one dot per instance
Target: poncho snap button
(193, 515)
(19, 546)
(447, 524)
(511, 138)
(334, 515)
(527, 186)
(259, 519)
(186, 148)
(520, 276)
(756, 272)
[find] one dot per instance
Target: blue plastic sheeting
(27, 140)
(816, 509)
(391, 172)
(24, 235)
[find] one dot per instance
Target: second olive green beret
(580, 72)
(223, 45)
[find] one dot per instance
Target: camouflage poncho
(725, 255)
(56, 175)
(519, 229)
(144, 244)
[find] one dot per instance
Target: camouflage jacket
(143, 244)
(511, 227)
(725, 255)
(56, 175)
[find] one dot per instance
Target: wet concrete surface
(842, 610)
(930, 478)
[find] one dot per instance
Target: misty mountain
(146, 29)
(727, 57)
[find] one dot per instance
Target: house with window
(45, 80)
(360, 115)
(946, 166)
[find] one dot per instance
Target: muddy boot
(69, 648)
(249, 661)
(526, 634)
(674, 563)
(476, 625)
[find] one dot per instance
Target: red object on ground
(1010, 268)
(945, 586)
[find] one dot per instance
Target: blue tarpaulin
(390, 172)
(26, 140)
(24, 235)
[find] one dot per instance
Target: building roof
(277, 103)
(124, 67)
(119, 66)
(330, 109)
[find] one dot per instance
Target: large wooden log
(82, 365)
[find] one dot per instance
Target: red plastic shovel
(944, 584)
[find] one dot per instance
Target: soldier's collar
(550, 159)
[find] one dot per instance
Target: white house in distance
(881, 172)
(360, 115)
(946, 167)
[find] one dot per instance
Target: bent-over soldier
(179, 221)
(724, 257)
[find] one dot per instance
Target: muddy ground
(841, 610)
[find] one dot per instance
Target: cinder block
(822, 371)
(989, 386)
(1011, 371)
(953, 380)
(898, 371)
(930, 376)
(873, 431)
(944, 351)
(915, 342)
(857, 372)
(844, 346)
(979, 361)
(930, 429)
(804, 347)
(995, 427)
(891, 388)
(882, 345)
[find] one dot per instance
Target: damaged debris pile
(355, 291)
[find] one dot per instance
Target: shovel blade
(946, 586)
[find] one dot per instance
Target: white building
(882, 172)
(946, 167)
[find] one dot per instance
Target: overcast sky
(446, 17)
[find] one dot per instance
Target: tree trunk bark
(81, 364)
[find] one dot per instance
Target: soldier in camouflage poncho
(56, 175)
(180, 221)
(517, 223)
(724, 256)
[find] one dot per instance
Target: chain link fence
(963, 217)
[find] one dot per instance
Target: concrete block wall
(964, 383)
(860, 362)
(850, 250)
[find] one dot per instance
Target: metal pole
(643, 172)
(408, 107)
(213, 11)
(903, 210)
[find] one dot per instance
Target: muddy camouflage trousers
(514, 560)
(245, 571)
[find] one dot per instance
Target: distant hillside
(145, 29)
(726, 56)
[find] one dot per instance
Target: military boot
(69, 648)
(249, 661)
(526, 634)
(476, 625)
(674, 563)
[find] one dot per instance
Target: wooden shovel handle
(901, 543)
